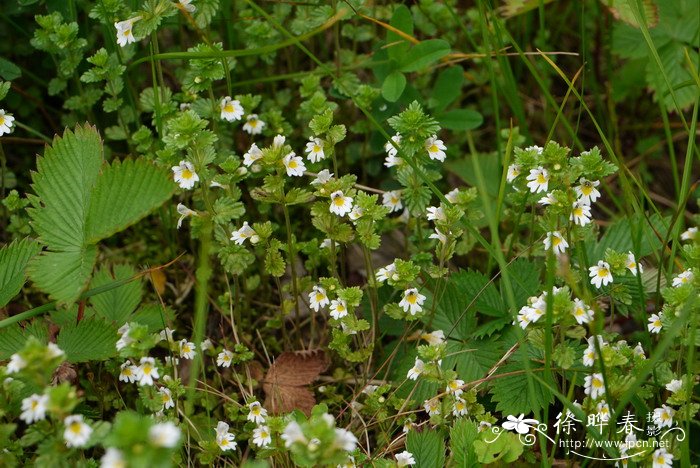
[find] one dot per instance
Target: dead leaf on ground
(287, 380)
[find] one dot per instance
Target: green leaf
(423, 54)
(472, 360)
(154, 316)
(90, 340)
(460, 119)
(621, 235)
(14, 337)
(513, 394)
(63, 275)
(13, 261)
(403, 21)
(622, 10)
(393, 86)
(427, 447)
(448, 87)
(126, 192)
(117, 304)
(8, 70)
(462, 436)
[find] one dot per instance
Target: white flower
(184, 212)
(294, 165)
(252, 155)
(404, 458)
(5, 122)
(390, 148)
(322, 177)
(587, 191)
(580, 213)
(594, 386)
(455, 387)
(128, 372)
(166, 335)
(412, 301)
(318, 298)
(392, 160)
(34, 408)
(524, 317)
(535, 148)
(245, 232)
(582, 313)
(124, 31)
(655, 324)
(639, 351)
(439, 235)
(262, 436)
(683, 278)
(187, 6)
(224, 358)
(603, 410)
(340, 204)
(314, 150)
(513, 172)
(432, 406)
(555, 241)
(386, 272)
(166, 398)
(53, 351)
(600, 274)
(16, 364)
(256, 413)
(459, 408)
(392, 200)
(632, 264)
(187, 349)
(416, 370)
(224, 439)
(451, 196)
(206, 344)
(434, 338)
(589, 354)
(662, 459)
(539, 180)
(184, 174)
(338, 309)
(326, 244)
(674, 385)
(345, 439)
(292, 433)
(435, 148)
(688, 234)
(77, 432)
(164, 434)
(548, 199)
(278, 141)
(356, 213)
(147, 371)
(231, 109)
(253, 125)
(436, 213)
(113, 458)
(519, 424)
(663, 417)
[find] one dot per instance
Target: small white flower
(294, 165)
(314, 150)
(386, 272)
(655, 324)
(513, 172)
(206, 344)
(16, 364)
(326, 244)
(632, 264)
(34, 408)
(639, 351)
(356, 213)
(292, 434)
(5, 122)
(539, 180)
(166, 335)
(662, 459)
(252, 155)
(253, 124)
(53, 351)
(404, 458)
(600, 274)
(555, 241)
(278, 141)
(392, 200)
(392, 161)
(582, 313)
(245, 232)
(147, 371)
(416, 370)
(113, 458)
(318, 298)
(322, 177)
(166, 398)
(127, 372)
(184, 175)
(589, 354)
(124, 31)
(231, 109)
(682, 279)
(390, 148)
(455, 387)
(164, 434)
(184, 212)
(224, 358)
(256, 413)
(603, 410)
(338, 309)
(663, 417)
(580, 213)
(674, 385)
(524, 317)
(187, 349)
(436, 213)
(340, 204)
(535, 148)
(262, 436)
(187, 6)
(224, 439)
(345, 439)
(435, 148)
(587, 191)
(412, 301)
(548, 199)
(451, 196)
(459, 408)
(688, 234)
(521, 425)
(434, 338)
(594, 386)
(77, 432)
(432, 406)
(439, 235)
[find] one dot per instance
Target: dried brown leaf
(287, 379)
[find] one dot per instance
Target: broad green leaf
(513, 395)
(125, 192)
(448, 87)
(460, 119)
(90, 340)
(8, 70)
(13, 262)
(427, 447)
(154, 316)
(524, 278)
(423, 54)
(620, 236)
(393, 86)
(463, 433)
(623, 10)
(472, 360)
(14, 337)
(117, 304)
(403, 21)
(63, 275)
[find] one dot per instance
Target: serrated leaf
(623, 10)
(460, 119)
(513, 394)
(423, 54)
(472, 360)
(117, 304)
(90, 340)
(14, 337)
(154, 316)
(427, 447)
(14, 258)
(125, 192)
(393, 86)
(63, 275)
(620, 237)
(463, 433)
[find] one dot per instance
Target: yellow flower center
(586, 189)
(263, 435)
(339, 201)
(340, 308)
(411, 297)
(35, 404)
(394, 200)
(165, 398)
(657, 323)
(147, 369)
(253, 123)
(578, 211)
(293, 164)
(2, 120)
(597, 383)
(433, 148)
(224, 442)
(186, 349)
(228, 107)
(127, 32)
(579, 311)
(665, 416)
(227, 357)
(186, 174)
(660, 460)
(555, 241)
(541, 179)
(316, 149)
(603, 272)
(75, 427)
(319, 297)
